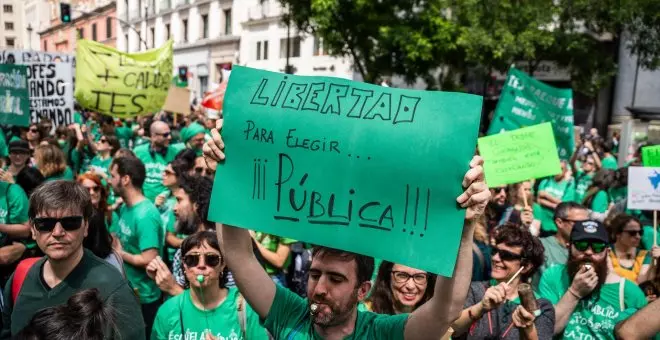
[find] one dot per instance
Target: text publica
(337, 99)
(293, 139)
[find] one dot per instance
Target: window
(167, 31)
(262, 50)
(205, 26)
(294, 47)
(203, 84)
(94, 32)
(9, 26)
(227, 21)
(8, 8)
(258, 50)
(152, 35)
(319, 49)
(108, 28)
(185, 30)
(81, 33)
(45, 46)
(10, 42)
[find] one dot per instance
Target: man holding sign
(338, 280)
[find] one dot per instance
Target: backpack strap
(240, 308)
(622, 285)
(19, 276)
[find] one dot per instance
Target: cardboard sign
(178, 100)
(526, 101)
(50, 83)
(644, 188)
(122, 84)
(348, 165)
(519, 155)
(651, 155)
(14, 95)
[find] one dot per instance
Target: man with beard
(496, 207)
(339, 280)
(589, 300)
(155, 157)
(139, 231)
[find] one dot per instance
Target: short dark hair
(514, 235)
(131, 167)
(60, 195)
(562, 210)
(364, 264)
(198, 189)
(211, 239)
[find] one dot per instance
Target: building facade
(92, 20)
(12, 25)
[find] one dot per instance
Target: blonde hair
(480, 232)
(50, 160)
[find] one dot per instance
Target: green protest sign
(651, 155)
(525, 101)
(519, 155)
(14, 95)
(349, 165)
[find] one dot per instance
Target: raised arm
(644, 324)
(432, 320)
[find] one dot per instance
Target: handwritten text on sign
(519, 155)
(644, 188)
(348, 165)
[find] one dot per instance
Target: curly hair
(381, 298)
(513, 235)
(198, 190)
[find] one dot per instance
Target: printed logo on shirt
(3, 215)
(154, 172)
(126, 231)
(190, 335)
(585, 323)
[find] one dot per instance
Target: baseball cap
(19, 146)
(589, 230)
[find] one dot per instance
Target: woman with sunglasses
(626, 257)
(105, 150)
(399, 289)
(51, 162)
(34, 136)
(208, 310)
(493, 309)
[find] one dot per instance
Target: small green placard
(14, 95)
(651, 155)
(348, 165)
(519, 155)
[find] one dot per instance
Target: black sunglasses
(505, 255)
(192, 260)
(634, 233)
(596, 247)
(34, 130)
(165, 135)
(47, 224)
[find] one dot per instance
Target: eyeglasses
(47, 224)
(169, 172)
(498, 190)
(34, 130)
(403, 277)
(597, 247)
(590, 163)
(103, 140)
(210, 259)
(634, 233)
(506, 255)
(569, 220)
(94, 189)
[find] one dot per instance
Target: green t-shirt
(124, 135)
(595, 317)
(179, 313)
(13, 208)
(647, 238)
(564, 190)
(601, 202)
(272, 242)
(66, 175)
(4, 150)
(609, 163)
(582, 183)
(99, 165)
(155, 164)
(289, 318)
(139, 228)
(167, 216)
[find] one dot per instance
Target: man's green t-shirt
(272, 242)
(99, 165)
(563, 190)
(601, 202)
(289, 318)
(13, 208)
(609, 163)
(140, 229)
(596, 316)
(124, 135)
(582, 182)
(166, 211)
(155, 164)
(179, 313)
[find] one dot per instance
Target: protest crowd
(105, 233)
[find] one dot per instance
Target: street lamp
(29, 30)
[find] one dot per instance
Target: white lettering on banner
(11, 104)
(524, 101)
(523, 113)
(175, 335)
(545, 97)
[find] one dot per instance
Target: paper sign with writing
(178, 100)
(644, 188)
(651, 155)
(14, 95)
(525, 101)
(519, 155)
(50, 83)
(349, 165)
(122, 84)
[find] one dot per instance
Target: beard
(338, 314)
(187, 226)
(573, 266)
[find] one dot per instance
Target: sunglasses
(498, 190)
(103, 140)
(166, 134)
(210, 259)
(95, 188)
(47, 224)
(34, 130)
(403, 277)
(169, 172)
(505, 255)
(596, 247)
(634, 233)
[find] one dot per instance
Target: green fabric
(4, 150)
(167, 216)
(222, 321)
(609, 163)
(124, 135)
(99, 165)
(554, 253)
(190, 131)
(601, 202)
(289, 318)
(272, 242)
(14, 138)
(582, 183)
(647, 238)
(77, 117)
(91, 272)
(593, 318)
(139, 141)
(155, 165)
(13, 208)
(140, 229)
(564, 190)
(66, 175)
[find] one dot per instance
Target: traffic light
(65, 12)
(182, 79)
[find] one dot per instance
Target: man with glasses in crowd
(59, 214)
(589, 300)
(155, 157)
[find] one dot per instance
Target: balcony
(266, 10)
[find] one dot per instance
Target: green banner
(651, 155)
(519, 155)
(14, 95)
(525, 101)
(349, 165)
